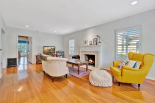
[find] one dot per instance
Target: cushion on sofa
(124, 63)
(131, 63)
(41, 57)
(138, 64)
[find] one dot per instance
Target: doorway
(23, 48)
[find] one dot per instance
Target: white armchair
(55, 67)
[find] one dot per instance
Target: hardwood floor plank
(28, 84)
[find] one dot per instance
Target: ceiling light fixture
(27, 26)
(85, 25)
(55, 31)
(134, 2)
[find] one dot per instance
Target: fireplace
(11, 62)
(95, 50)
(91, 59)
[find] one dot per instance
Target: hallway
(22, 60)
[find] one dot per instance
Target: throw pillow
(138, 64)
(124, 63)
(44, 58)
(132, 63)
(119, 66)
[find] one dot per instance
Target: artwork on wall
(95, 41)
(85, 42)
(90, 42)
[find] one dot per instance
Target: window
(71, 46)
(127, 40)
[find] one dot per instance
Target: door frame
(17, 47)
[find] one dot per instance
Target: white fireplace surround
(92, 50)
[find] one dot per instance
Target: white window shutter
(71, 46)
(127, 41)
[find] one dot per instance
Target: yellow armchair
(132, 75)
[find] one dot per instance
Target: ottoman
(100, 78)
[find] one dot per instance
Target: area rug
(74, 72)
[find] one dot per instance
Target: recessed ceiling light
(134, 2)
(27, 26)
(55, 31)
(85, 25)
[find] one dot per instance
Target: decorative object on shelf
(90, 42)
(60, 53)
(95, 41)
(85, 42)
(99, 43)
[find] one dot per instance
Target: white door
(30, 50)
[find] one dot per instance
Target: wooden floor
(28, 84)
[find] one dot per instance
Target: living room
(77, 28)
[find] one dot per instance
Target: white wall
(2, 30)
(39, 40)
(2, 27)
(4, 60)
(107, 32)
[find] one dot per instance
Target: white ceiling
(67, 16)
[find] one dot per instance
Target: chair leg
(112, 78)
(119, 83)
(44, 72)
(66, 75)
(52, 79)
(138, 85)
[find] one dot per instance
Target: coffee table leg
(86, 66)
(78, 69)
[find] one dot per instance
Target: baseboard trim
(4, 67)
(151, 78)
(105, 68)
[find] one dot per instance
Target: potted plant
(99, 43)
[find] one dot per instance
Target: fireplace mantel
(92, 49)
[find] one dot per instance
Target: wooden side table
(38, 61)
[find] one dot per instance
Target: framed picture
(90, 42)
(95, 40)
(85, 42)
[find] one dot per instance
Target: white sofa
(55, 66)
